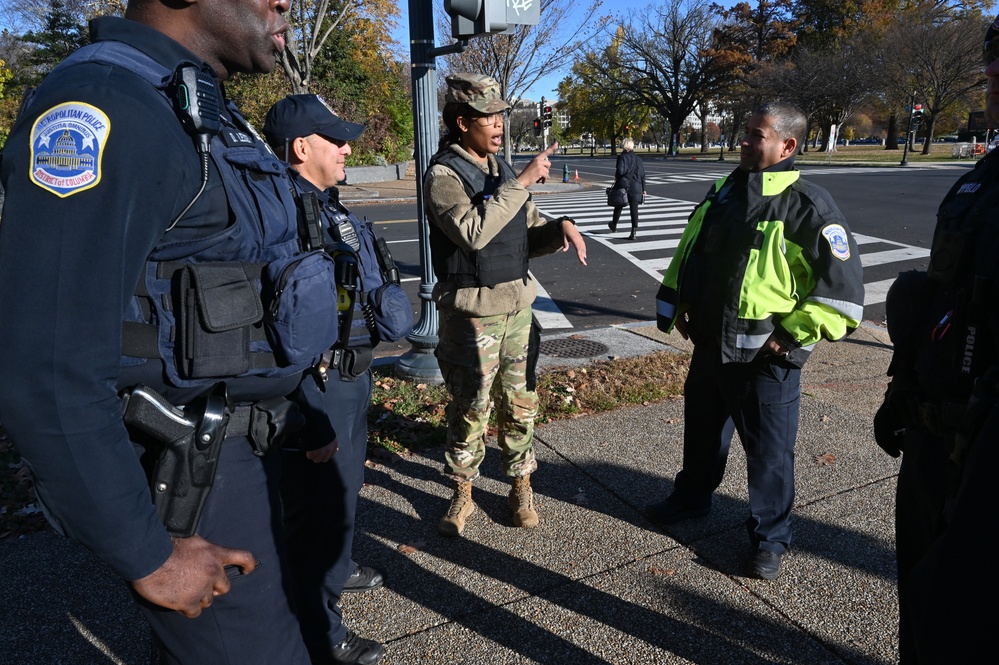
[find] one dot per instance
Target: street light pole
(908, 132)
(419, 362)
(721, 138)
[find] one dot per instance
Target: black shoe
(671, 511)
(612, 226)
(765, 565)
(633, 235)
(355, 650)
(364, 578)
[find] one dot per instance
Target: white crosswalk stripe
(662, 220)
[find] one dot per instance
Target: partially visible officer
(766, 268)
(320, 487)
(940, 415)
(144, 230)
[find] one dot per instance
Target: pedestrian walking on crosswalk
(629, 176)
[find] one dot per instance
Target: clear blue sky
(547, 85)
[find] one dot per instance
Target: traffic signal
(476, 17)
(546, 115)
(537, 126)
(917, 114)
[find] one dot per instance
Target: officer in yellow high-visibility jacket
(766, 267)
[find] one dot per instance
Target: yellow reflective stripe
(777, 181)
(671, 277)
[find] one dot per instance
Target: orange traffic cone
(577, 175)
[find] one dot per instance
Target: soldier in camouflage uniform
(483, 229)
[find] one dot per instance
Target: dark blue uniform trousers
(320, 501)
(760, 400)
(253, 623)
(947, 589)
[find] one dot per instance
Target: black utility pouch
(219, 304)
(271, 422)
(355, 362)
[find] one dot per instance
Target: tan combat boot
(522, 503)
(461, 507)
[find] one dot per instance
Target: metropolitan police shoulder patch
(67, 142)
(839, 244)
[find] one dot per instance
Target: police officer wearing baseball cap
(320, 486)
(301, 116)
(943, 396)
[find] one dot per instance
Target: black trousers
(761, 401)
(253, 623)
(634, 215)
(946, 581)
(320, 503)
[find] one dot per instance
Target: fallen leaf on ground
(655, 570)
(825, 460)
(415, 546)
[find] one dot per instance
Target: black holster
(191, 440)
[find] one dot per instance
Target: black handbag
(617, 198)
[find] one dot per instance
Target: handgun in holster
(191, 439)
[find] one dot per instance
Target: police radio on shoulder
(197, 102)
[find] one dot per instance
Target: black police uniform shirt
(71, 253)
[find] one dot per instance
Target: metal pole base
(419, 364)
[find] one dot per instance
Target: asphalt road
(891, 210)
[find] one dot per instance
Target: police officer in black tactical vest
(324, 475)
(940, 415)
(158, 307)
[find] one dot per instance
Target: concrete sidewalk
(595, 582)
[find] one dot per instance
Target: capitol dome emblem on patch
(66, 146)
(839, 244)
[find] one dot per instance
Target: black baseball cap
(303, 115)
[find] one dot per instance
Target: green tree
(594, 96)
(368, 84)
(315, 22)
(5, 76)
(62, 33)
(520, 59)
(667, 59)
(341, 51)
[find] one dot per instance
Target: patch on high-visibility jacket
(839, 243)
(66, 146)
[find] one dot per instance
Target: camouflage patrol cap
(480, 92)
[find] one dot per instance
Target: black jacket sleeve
(68, 267)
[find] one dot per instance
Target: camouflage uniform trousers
(481, 358)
